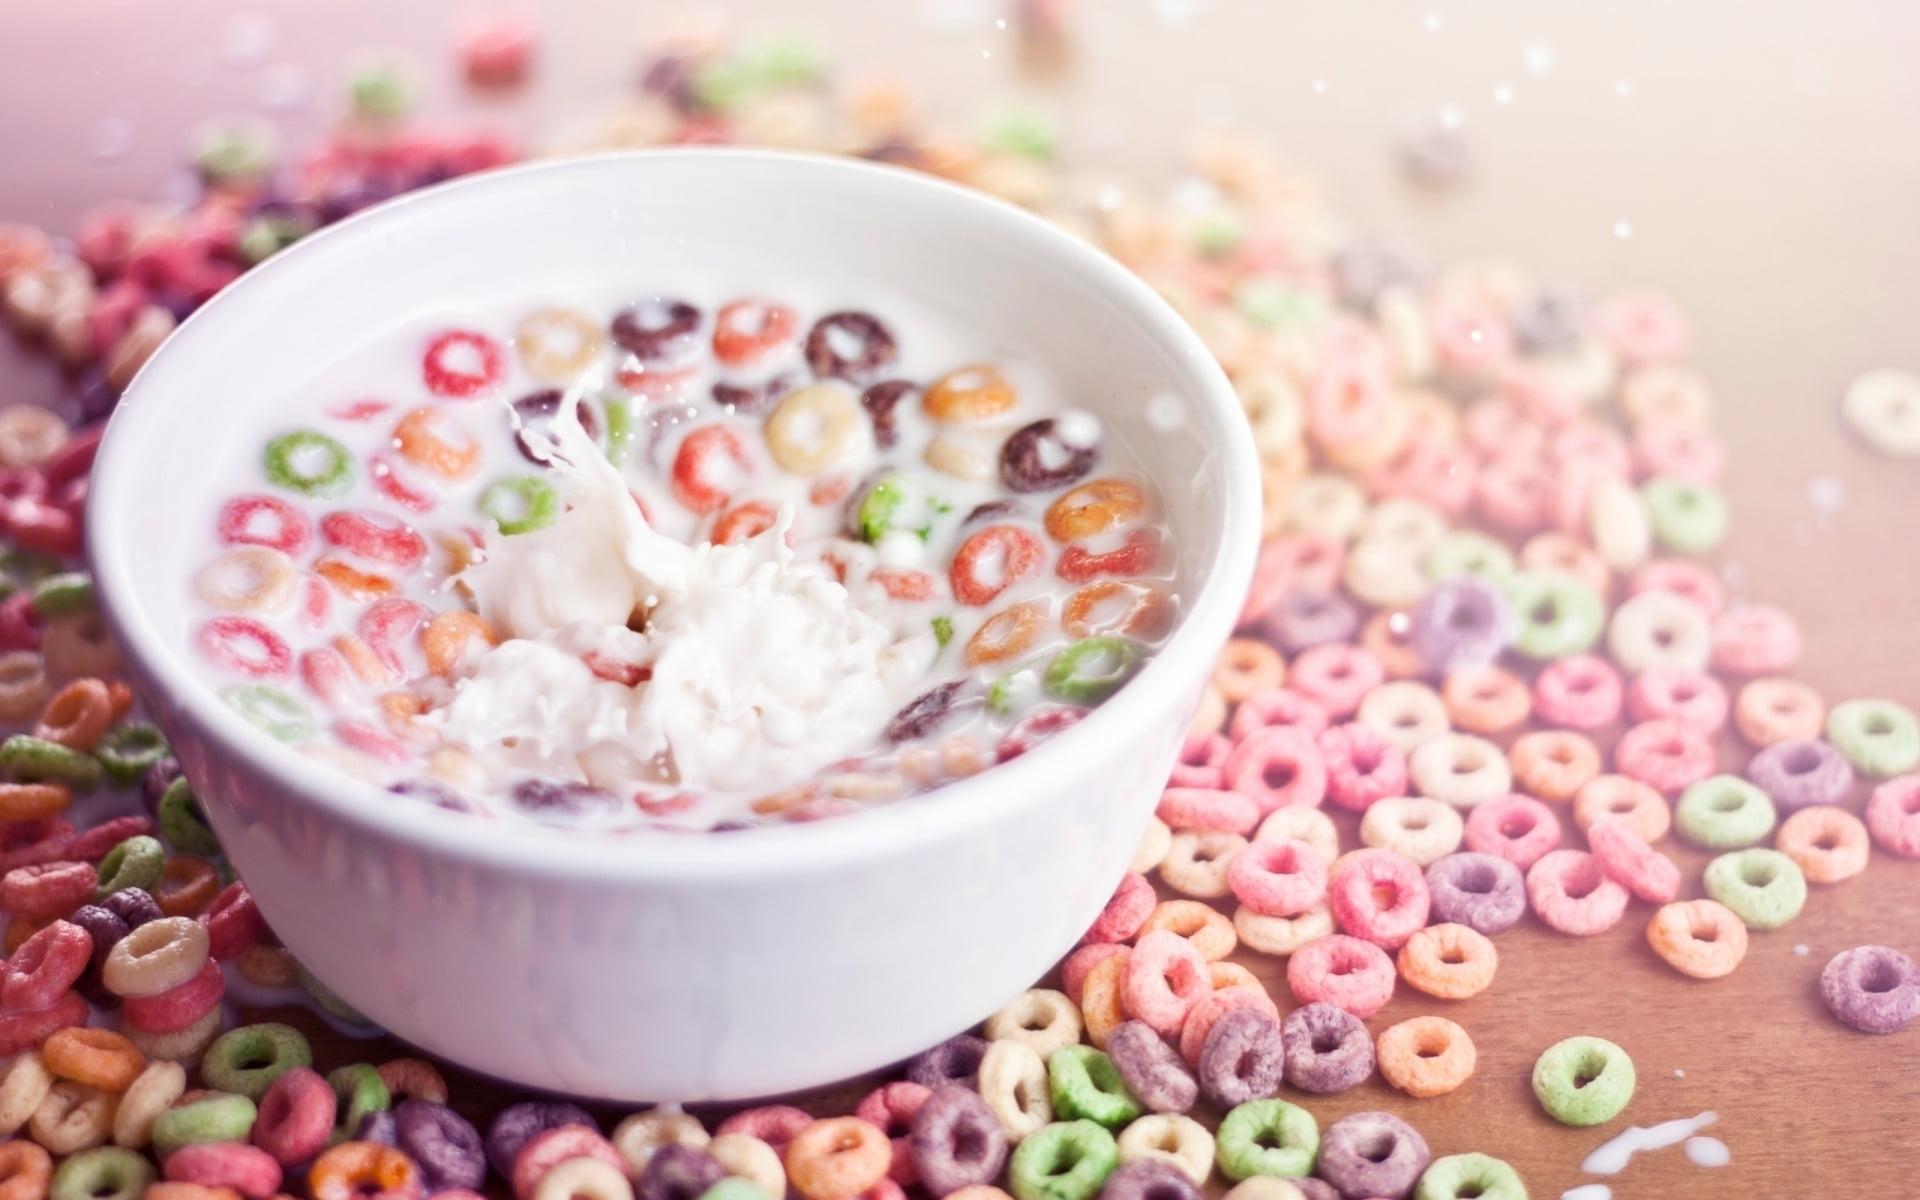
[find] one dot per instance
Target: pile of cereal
(1482, 499)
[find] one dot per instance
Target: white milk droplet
(1623, 229)
(1826, 493)
(1077, 427)
(1611, 1157)
(1434, 23)
(1588, 1191)
(1708, 1152)
(1539, 58)
(1623, 89)
(1679, 1073)
(1451, 117)
(1800, 948)
(1503, 94)
(1320, 86)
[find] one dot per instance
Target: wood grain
(1762, 157)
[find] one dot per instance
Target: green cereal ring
(235, 152)
(1067, 1160)
(783, 62)
(137, 862)
(360, 1091)
(182, 822)
(128, 750)
(30, 759)
(733, 1187)
(1878, 737)
(1265, 302)
(1723, 812)
(1764, 888)
(67, 592)
(1023, 131)
(1091, 669)
(943, 630)
(1014, 688)
(1267, 1137)
(217, 1117)
(880, 507)
(724, 86)
(1085, 1084)
(310, 463)
(248, 1059)
(329, 1000)
(1688, 517)
(618, 411)
(379, 90)
(1555, 615)
(102, 1173)
(520, 504)
(264, 236)
(1464, 552)
(280, 714)
(1583, 1081)
(1461, 1175)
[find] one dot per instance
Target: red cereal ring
(296, 1117)
(774, 1124)
(45, 966)
(73, 460)
(1305, 561)
(1280, 878)
(248, 1170)
(43, 528)
(1347, 401)
(388, 624)
(1034, 728)
(1203, 757)
(29, 1028)
(232, 922)
(374, 536)
(1207, 808)
(696, 479)
(96, 842)
(1665, 755)
(1349, 973)
(1094, 508)
(325, 674)
(316, 603)
(386, 476)
(1893, 815)
(1688, 580)
(1278, 766)
(1572, 893)
(1164, 978)
(744, 521)
(1378, 896)
(47, 889)
(912, 587)
(461, 364)
(428, 440)
(353, 583)
(246, 646)
(890, 1108)
(177, 1007)
(264, 521)
(1136, 557)
(544, 1150)
(1126, 911)
(1517, 828)
(1362, 766)
(747, 330)
(991, 561)
(1511, 493)
(372, 741)
(1426, 469)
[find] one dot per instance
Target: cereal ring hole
(1732, 802)
(1278, 775)
(1878, 726)
(1757, 874)
(1801, 760)
(1582, 881)
(1880, 977)
(1704, 933)
(1476, 878)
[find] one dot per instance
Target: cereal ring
(245, 646)
(1572, 894)
(1557, 614)
(558, 345)
(1362, 765)
(1421, 828)
(1484, 892)
(74, 1117)
(1882, 407)
(1583, 1081)
(1893, 815)
(1304, 618)
(98, 1058)
(1040, 457)
(267, 521)
(1460, 769)
(249, 1059)
(816, 428)
(1699, 938)
(1764, 888)
(1327, 1048)
(698, 478)
(1267, 1137)
(1425, 1056)
(1276, 768)
(1201, 762)
(1664, 755)
(1553, 764)
(1247, 667)
(1172, 1147)
(156, 957)
(247, 579)
(955, 1141)
(1457, 1176)
(854, 346)
(1241, 1058)
(1042, 1019)
(748, 330)
(1486, 701)
(1151, 1069)
(658, 330)
(1407, 714)
(1094, 508)
(1372, 1154)
(1723, 812)
(1281, 936)
(355, 1168)
(1278, 709)
(1630, 862)
(1689, 698)
(1828, 844)
(1281, 878)
(1165, 977)
(1775, 710)
(1086, 1086)
(107, 1172)
(1878, 737)
(1067, 1160)
(1875, 989)
(1348, 972)
(1461, 622)
(1754, 639)
(1579, 692)
(1200, 1022)
(1658, 629)
(1337, 677)
(992, 560)
(1153, 847)
(1795, 774)
(1449, 961)
(1113, 607)
(1387, 635)
(426, 438)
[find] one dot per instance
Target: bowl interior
(859, 235)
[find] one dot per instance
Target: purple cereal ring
(1362, 766)
(1343, 971)
(880, 401)
(1798, 774)
(1328, 1049)
(1875, 989)
(677, 1172)
(1581, 691)
(1278, 767)
(444, 1144)
(1484, 892)
(1151, 1069)
(133, 905)
(1309, 617)
(1243, 1058)
(379, 1128)
(1373, 1154)
(1516, 828)
(956, 1141)
(1461, 622)
(1207, 1013)
(1037, 459)
(854, 346)
(1164, 978)
(1337, 676)
(1570, 893)
(517, 1123)
(656, 330)
(1281, 878)
(1692, 699)
(1280, 708)
(1150, 1179)
(1355, 888)
(1627, 859)
(956, 1060)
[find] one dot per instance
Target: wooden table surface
(1764, 165)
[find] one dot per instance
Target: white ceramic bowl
(693, 967)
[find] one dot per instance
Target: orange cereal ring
(96, 1057)
(1828, 844)
(557, 344)
(1644, 810)
(1425, 1056)
(1231, 974)
(422, 439)
(1246, 667)
(450, 634)
(1778, 710)
(1005, 634)
(120, 695)
(187, 885)
(169, 1190)
(1101, 1006)
(738, 524)
(969, 394)
(413, 1078)
(1558, 552)
(1094, 508)
(1701, 938)
(352, 1169)
(1211, 933)
(835, 1158)
(1486, 700)
(746, 331)
(1449, 961)
(352, 583)
(77, 715)
(360, 658)
(400, 711)
(1387, 636)
(1553, 764)
(25, 1170)
(1097, 610)
(33, 801)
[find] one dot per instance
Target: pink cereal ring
(1754, 639)
(1501, 425)
(388, 625)
(548, 1148)
(1581, 691)
(1893, 815)
(44, 890)
(1208, 808)
(1362, 766)
(44, 967)
(1277, 768)
(461, 364)
(374, 536)
(1627, 859)
(1517, 828)
(296, 1117)
(325, 673)
(1076, 966)
(890, 1108)
(1572, 894)
(774, 1124)
(1337, 676)
(1304, 560)
(699, 463)
(1346, 972)
(1642, 327)
(246, 646)
(1132, 903)
(264, 521)
(1428, 469)
(1665, 755)
(1164, 978)
(1688, 580)
(1347, 402)
(1511, 493)
(1692, 699)
(1470, 340)
(1207, 1013)
(1593, 441)
(177, 1007)
(1281, 878)
(1202, 759)
(1378, 896)
(25, 1030)
(1678, 451)
(248, 1170)
(1280, 708)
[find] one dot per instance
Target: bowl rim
(888, 829)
